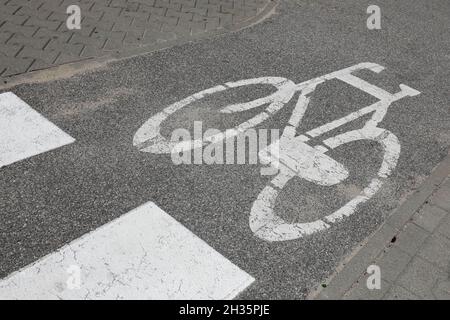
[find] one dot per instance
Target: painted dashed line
(144, 254)
(24, 132)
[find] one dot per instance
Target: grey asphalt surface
(53, 198)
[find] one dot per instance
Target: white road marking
(24, 132)
(144, 254)
(149, 139)
(296, 158)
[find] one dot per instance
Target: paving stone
(35, 43)
(442, 197)
(361, 292)
(444, 226)
(165, 20)
(32, 12)
(154, 11)
(13, 67)
(15, 19)
(167, 4)
(399, 293)
(420, 277)
(48, 56)
(112, 45)
(198, 11)
(10, 50)
(411, 238)
(65, 48)
(4, 36)
(158, 37)
(26, 31)
(107, 25)
(109, 12)
(141, 14)
(429, 217)
(48, 24)
(58, 16)
(10, 9)
(181, 15)
(417, 264)
(97, 42)
(55, 35)
(133, 37)
(437, 250)
(92, 52)
(123, 23)
(95, 15)
(33, 4)
(67, 58)
(392, 263)
(442, 290)
(39, 65)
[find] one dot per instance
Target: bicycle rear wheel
(149, 138)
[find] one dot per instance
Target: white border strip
(24, 132)
(144, 254)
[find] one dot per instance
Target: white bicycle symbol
(296, 158)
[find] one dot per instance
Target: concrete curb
(355, 265)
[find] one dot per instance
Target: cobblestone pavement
(415, 261)
(34, 35)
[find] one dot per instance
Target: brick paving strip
(34, 35)
(412, 249)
